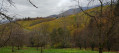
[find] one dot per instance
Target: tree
(41, 36)
(3, 35)
(100, 24)
(21, 38)
(17, 37)
(64, 37)
(60, 38)
(117, 8)
(77, 39)
(92, 34)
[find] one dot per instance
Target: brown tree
(100, 24)
(41, 36)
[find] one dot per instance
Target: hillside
(69, 21)
(28, 23)
(71, 11)
(87, 27)
(73, 31)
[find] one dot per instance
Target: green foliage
(60, 38)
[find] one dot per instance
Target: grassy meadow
(33, 50)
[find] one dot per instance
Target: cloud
(45, 7)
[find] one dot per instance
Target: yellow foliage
(70, 22)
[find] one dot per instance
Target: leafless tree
(4, 16)
(17, 37)
(99, 23)
(41, 36)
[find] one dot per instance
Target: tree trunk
(109, 45)
(18, 47)
(12, 48)
(41, 49)
(100, 50)
(117, 9)
(93, 46)
(85, 45)
(37, 48)
(109, 49)
(32, 43)
(80, 47)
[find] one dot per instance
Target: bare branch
(7, 17)
(101, 2)
(89, 3)
(84, 11)
(33, 4)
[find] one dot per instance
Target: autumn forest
(92, 30)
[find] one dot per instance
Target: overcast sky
(45, 7)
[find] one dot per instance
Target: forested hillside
(79, 27)
(95, 29)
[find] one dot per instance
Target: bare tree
(99, 23)
(4, 16)
(41, 36)
(17, 37)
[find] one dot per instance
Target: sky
(22, 8)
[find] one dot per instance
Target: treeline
(29, 18)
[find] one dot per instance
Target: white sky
(45, 7)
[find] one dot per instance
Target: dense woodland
(96, 28)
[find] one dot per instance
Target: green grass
(33, 50)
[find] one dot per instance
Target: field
(33, 50)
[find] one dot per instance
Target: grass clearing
(33, 50)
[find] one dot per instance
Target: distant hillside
(69, 22)
(29, 23)
(71, 12)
